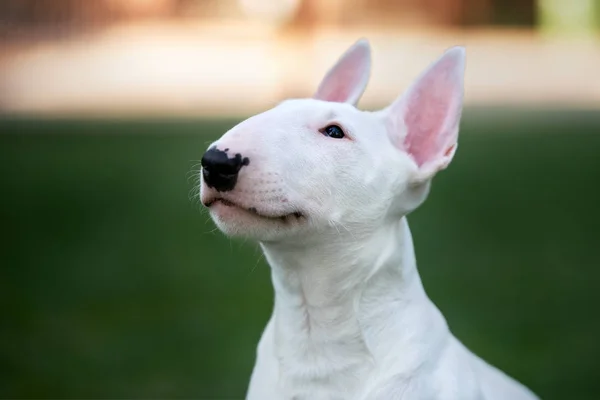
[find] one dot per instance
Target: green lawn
(114, 284)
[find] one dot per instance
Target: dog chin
(237, 222)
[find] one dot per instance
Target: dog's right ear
(347, 80)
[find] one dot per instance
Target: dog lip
(252, 210)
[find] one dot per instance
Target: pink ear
(430, 112)
(346, 81)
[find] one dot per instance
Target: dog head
(320, 164)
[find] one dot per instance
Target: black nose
(219, 171)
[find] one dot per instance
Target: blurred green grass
(114, 283)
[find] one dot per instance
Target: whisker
(194, 194)
(260, 257)
(332, 223)
(195, 175)
(348, 230)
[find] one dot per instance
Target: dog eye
(333, 131)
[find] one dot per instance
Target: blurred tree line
(53, 17)
(56, 17)
(26, 18)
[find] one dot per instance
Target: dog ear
(347, 80)
(424, 121)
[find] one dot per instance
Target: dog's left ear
(424, 121)
(347, 79)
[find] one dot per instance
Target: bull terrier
(325, 189)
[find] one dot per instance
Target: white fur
(351, 320)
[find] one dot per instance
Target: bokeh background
(113, 281)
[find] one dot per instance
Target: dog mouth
(289, 217)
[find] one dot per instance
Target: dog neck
(349, 293)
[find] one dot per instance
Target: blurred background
(113, 281)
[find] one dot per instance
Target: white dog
(325, 188)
